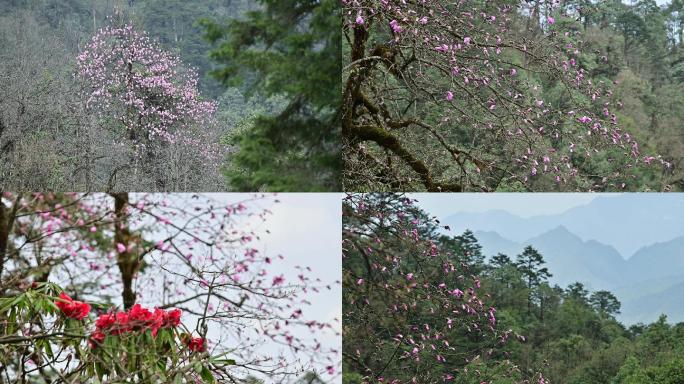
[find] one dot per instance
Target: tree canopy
(414, 311)
(291, 48)
(511, 95)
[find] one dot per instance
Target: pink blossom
(396, 28)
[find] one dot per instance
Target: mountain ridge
(601, 267)
(634, 220)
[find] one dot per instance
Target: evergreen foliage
(291, 48)
(569, 335)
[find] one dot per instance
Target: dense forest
(169, 95)
(423, 307)
(513, 95)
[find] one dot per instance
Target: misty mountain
(647, 308)
(568, 257)
(493, 243)
(646, 283)
(658, 260)
(626, 222)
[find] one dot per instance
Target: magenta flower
(278, 280)
(396, 28)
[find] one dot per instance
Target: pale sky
(306, 228)
(521, 204)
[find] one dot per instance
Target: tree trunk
(529, 297)
(94, 21)
(6, 224)
(128, 262)
(4, 235)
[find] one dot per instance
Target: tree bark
(128, 262)
(6, 224)
(4, 235)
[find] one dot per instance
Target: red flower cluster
(196, 344)
(71, 308)
(136, 319)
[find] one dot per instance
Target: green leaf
(178, 379)
(13, 302)
(223, 361)
(207, 376)
(48, 349)
(99, 368)
(6, 303)
(12, 321)
(53, 308)
(28, 296)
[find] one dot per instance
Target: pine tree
(471, 250)
(500, 260)
(291, 48)
(577, 292)
(530, 264)
(605, 303)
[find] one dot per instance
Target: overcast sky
(521, 204)
(306, 228)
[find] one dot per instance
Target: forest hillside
(423, 306)
(169, 95)
(535, 95)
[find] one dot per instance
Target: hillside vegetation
(511, 95)
(169, 95)
(421, 306)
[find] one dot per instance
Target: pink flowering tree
(464, 95)
(146, 96)
(151, 288)
(412, 310)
